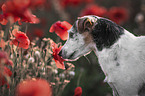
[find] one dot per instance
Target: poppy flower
(2, 43)
(93, 10)
(89, 1)
(29, 17)
(21, 3)
(58, 60)
(4, 58)
(75, 2)
(118, 14)
(66, 3)
(78, 91)
(38, 32)
(18, 9)
(21, 39)
(6, 72)
(61, 29)
(3, 21)
(36, 3)
(34, 87)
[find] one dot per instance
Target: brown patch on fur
(84, 24)
(87, 37)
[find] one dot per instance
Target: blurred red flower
(38, 32)
(34, 87)
(78, 91)
(4, 59)
(3, 21)
(66, 3)
(36, 3)
(89, 1)
(14, 10)
(4, 72)
(21, 39)
(58, 60)
(118, 14)
(61, 29)
(93, 10)
(2, 43)
(21, 3)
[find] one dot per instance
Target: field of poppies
(29, 45)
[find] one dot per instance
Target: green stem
(21, 53)
(6, 33)
(78, 82)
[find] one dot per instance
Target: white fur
(129, 76)
(123, 63)
(78, 45)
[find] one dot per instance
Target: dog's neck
(109, 57)
(106, 33)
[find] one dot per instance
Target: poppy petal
(60, 29)
(58, 59)
(59, 65)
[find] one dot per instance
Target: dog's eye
(71, 35)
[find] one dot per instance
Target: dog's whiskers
(87, 59)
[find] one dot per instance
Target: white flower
(37, 53)
(55, 71)
(62, 75)
(31, 60)
(27, 56)
(72, 73)
(40, 63)
(139, 17)
(11, 56)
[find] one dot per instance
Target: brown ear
(84, 24)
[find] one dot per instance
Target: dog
(121, 54)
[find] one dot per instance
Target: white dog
(121, 55)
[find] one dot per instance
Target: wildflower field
(32, 33)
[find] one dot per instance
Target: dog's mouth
(72, 55)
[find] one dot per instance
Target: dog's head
(89, 33)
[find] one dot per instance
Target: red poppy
(75, 2)
(4, 58)
(6, 72)
(78, 91)
(60, 29)
(18, 9)
(29, 17)
(118, 14)
(58, 60)
(3, 21)
(34, 87)
(21, 39)
(89, 1)
(66, 3)
(2, 43)
(38, 32)
(21, 3)
(93, 10)
(35, 3)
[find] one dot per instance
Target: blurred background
(88, 74)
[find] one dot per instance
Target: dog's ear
(84, 24)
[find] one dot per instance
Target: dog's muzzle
(65, 55)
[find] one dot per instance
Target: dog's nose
(60, 53)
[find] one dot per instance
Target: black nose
(60, 53)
